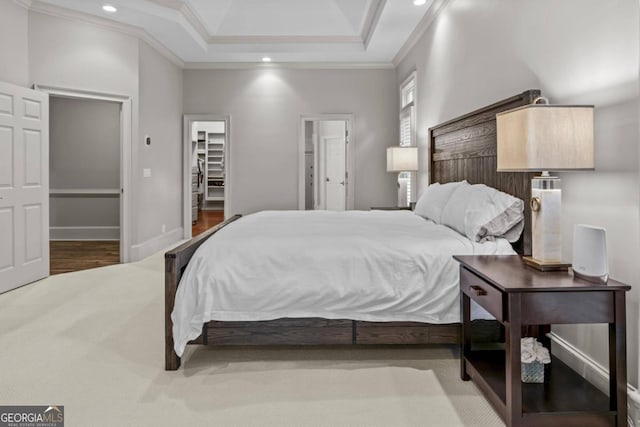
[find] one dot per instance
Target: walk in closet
(208, 167)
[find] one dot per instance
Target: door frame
(126, 137)
(350, 155)
(188, 120)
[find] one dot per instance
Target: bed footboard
(175, 262)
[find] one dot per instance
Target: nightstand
(518, 296)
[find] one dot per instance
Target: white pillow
(455, 210)
(483, 213)
(434, 198)
(500, 215)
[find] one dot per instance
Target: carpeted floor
(93, 342)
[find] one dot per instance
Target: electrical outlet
(146, 172)
(164, 228)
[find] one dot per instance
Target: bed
(461, 149)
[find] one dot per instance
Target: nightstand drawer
(482, 292)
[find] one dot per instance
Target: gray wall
(84, 153)
(84, 143)
(266, 105)
(82, 56)
(575, 51)
(13, 43)
(72, 54)
(158, 198)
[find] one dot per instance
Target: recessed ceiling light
(266, 59)
(419, 2)
(109, 8)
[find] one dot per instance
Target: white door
(326, 162)
(330, 146)
(24, 186)
(335, 173)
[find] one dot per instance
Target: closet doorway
(326, 163)
(206, 172)
(90, 136)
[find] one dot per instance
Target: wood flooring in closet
(67, 255)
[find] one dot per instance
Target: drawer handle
(479, 290)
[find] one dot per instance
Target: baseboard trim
(155, 244)
(634, 407)
(84, 233)
(595, 373)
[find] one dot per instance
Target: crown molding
(179, 12)
(193, 20)
(137, 32)
(371, 22)
(284, 39)
(191, 17)
(171, 4)
(432, 14)
(23, 3)
(196, 23)
(288, 65)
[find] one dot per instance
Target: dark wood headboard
(465, 148)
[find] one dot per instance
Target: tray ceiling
(205, 31)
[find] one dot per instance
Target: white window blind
(408, 91)
(406, 126)
(407, 133)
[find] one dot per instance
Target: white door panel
(6, 104)
(7, 240)
(335, 187)
(33, 233)
(32, 141)
(6, 157)
(32, 109)
(24, 186)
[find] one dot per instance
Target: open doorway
(84, 176)
(89, 152)
(326, 163)
(206, 167)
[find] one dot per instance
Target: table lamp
(402, 159)
(543, 137)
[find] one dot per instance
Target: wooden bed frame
(462, 148)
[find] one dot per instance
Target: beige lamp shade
(402, 159)
(543, 137)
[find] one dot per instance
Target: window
(408, 90)
(407, 135)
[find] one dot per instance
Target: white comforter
(361, 265)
